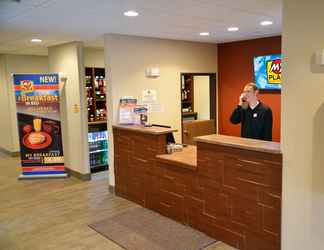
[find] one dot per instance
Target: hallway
(54, 214)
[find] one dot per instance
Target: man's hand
(241, 99)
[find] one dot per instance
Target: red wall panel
(235, 69)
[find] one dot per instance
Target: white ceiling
(59, 21)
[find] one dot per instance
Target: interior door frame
(212, 97)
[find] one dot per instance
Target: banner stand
(39, 126)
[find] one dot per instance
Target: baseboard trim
(12, 154)
(15, 154)
(42, 176)
(111, 189)
(83, 177)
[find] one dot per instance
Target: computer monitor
(170, 137)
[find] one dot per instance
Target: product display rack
(98, 147)
(96, 94)
(97, 119)
(187, 97)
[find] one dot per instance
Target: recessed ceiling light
(131, 13)
(36, 40)
(204, 33)
(232, 29)
(266, 23)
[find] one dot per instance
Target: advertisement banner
(126, 110)
(267, 72)
(39, 125)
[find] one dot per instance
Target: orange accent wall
(235, 69)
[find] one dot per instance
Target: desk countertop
(242, 143)
(147, 130)
(187, 158)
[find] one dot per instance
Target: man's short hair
(252, 85)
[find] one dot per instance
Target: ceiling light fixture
(266, 23)
(36, 40)
(233, 29)
(131, 13)
(204, 33)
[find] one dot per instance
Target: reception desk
(227, 187)
(135, 150)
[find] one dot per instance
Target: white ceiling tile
(58, 21)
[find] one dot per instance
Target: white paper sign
(126, 110)
(155, 108)
(149, 96)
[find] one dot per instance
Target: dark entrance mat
(142, 229)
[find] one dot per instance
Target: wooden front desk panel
(134, 159)
(233, 194)
(240, 199)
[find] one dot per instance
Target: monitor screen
(267, 72)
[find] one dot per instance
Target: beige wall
(6, 141)
(68, 60)
(302, 126)
(127, 57)
(27, 64)
(202, 97)
(10, 64)
(93, 57)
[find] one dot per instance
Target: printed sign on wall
(126, 110)
(267, 72)
(39, 125)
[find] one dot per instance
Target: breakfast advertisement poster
(39, 126)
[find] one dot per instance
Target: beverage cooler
(98, 146)
(95, 85)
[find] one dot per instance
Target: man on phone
(254, 116)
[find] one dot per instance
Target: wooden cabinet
(196, 128)
(96, 94)
(187, 95)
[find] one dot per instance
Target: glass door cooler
(98, 146)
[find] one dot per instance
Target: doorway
(198, 105)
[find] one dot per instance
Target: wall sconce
(319, 57)
(152, 72)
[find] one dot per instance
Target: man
(254, 116)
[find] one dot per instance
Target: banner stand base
(42, 176)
